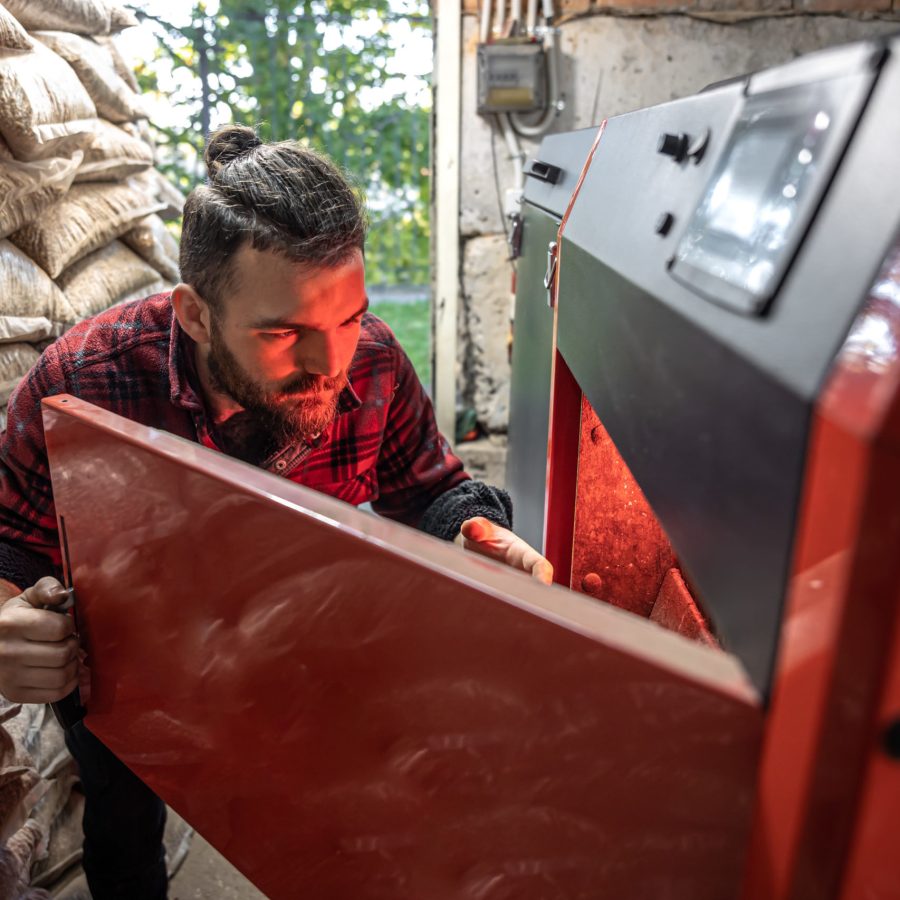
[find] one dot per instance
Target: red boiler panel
(346, 707)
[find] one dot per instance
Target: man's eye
(278, 335)
(354, 321)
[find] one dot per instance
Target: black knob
(674, 145)
(664, 223)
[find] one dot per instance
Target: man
(265, 352)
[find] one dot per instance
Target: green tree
(322, 71)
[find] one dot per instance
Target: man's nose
(321, 355)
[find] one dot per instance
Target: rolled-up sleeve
(415, 464)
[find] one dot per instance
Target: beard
(297, 410)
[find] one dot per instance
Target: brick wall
(567, 9)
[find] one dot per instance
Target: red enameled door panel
(345, 707)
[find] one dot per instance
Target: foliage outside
(411, 323)
(328, 72)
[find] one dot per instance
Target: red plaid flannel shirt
(134, 360)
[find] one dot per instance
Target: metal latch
(515, 236)
(543, 171)
(69, 710)
(550, 274)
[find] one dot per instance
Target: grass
(411, 322)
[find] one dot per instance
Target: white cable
(516, 15)
(485, 21)
(515, 151)
(499, 17)
(535, 129)
(531, 19)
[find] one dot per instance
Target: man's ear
(193, 313)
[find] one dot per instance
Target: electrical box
(512, 77)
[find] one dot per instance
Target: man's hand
(38, 647)
(483, 536)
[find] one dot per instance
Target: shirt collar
(184, 382)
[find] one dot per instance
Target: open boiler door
(346, 707)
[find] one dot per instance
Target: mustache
(319, 384)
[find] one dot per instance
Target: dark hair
(282, 197)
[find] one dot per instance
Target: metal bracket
(515, 236)
(550, 274)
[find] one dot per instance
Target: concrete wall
(619, 57)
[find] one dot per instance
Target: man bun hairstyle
(282, 197)
(226, 145)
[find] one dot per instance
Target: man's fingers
(25, 616)
(478, 529)
(38, 646)
(42, 695)
(49, 679)
(46, 592)
(543, 571)
(21, 621)
(521, 556)
(533, 562)
(480, 535)
(44, 654)
(42, 685)
(485, 548)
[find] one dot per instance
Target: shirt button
(281, 465)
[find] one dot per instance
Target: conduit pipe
(537, 128)
(515, 16)
(485, 21)
(499, 17)
(515, 151)
(531, 19)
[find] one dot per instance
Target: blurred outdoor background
(350, 78)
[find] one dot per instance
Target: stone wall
(616, 57)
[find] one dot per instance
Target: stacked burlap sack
(40, 813)
(80, 201)
(41, 809)
(80, 230)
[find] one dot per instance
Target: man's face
(283, 340)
